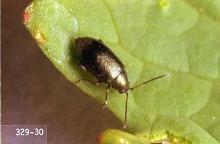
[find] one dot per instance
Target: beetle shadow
(74, 60)
(73, 57)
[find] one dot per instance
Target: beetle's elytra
(95, 57)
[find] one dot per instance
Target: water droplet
(75, 24)
(59, 61)
(39, 36)
(164, 4)
(123, 141)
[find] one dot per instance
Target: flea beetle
(95, 57)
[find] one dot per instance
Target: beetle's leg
(80, 80)
(106, 97)
(82, 66)
(126, 111)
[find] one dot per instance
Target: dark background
(34, 92)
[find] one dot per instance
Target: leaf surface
(153, 37)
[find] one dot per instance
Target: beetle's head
(121, 83)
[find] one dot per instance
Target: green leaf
(112, 136)
(151, 37)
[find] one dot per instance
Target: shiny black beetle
(101, 62)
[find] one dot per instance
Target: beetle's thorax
(121, 83)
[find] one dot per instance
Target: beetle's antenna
(155, 78)
(126, 111)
